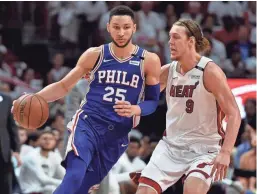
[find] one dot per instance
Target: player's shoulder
(151, 56)
(152, 59)
(93, 51)
(90, 56)
(212, 69)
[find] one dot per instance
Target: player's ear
(192, 40)
(134, 28)
(108, 27)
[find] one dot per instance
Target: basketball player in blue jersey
(121, 75)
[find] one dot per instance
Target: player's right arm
(84, 65)
(164, 76)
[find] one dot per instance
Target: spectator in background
(58, 71)
(223, 8)
(251, 63)
(250, 110)
(228, 33)
(90, 14)
(5, 69)
(33, 139)
(193, 12)
(244, 147)
(67, 19)
(9, 144)
(58, 123)
(209, 21)
(250, 14)
(218, 48)
(149, 17)
(248, 163)
(145, 36)
(242, 43)
(41, 171)
(28, 76)
(234, 67)
(23, 137)
(209, 53)
(253, 35)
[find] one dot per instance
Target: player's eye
(116, 27)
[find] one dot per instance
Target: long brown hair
(193, 29)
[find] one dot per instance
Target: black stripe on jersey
(98, 58)
(200, 68)
(141, 57)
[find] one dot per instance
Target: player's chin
(174, 57)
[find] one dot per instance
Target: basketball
(31, 111)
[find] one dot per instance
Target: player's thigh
(195, 185)
(144, 189)
(198, 179)
(163, 170)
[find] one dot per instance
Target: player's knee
(145, 190)
(191, 188)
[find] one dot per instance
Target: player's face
(47, 141)
(179, 42)
(121, 29)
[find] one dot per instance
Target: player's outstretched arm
(215, 81)
(164, 76)
(84, 65)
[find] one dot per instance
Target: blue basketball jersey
(111, 80)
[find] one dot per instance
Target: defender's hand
(125, 109)
(220, 166)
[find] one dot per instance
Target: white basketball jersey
(193, 114)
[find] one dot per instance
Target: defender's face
(178, 42)
(121, 29)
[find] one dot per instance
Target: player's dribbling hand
(13, 106)
(125, 109)
(220, 166)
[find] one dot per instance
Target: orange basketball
(31, 111)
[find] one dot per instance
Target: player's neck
(125, 52)
(188, 62)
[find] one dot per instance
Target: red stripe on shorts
(151, 183)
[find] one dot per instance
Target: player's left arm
(152, 71)
(215, 82)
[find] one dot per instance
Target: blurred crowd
(41, 41)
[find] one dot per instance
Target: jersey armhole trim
(99, 59)
(142, 64)
(203, 80)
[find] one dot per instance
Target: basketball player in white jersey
(198, 98)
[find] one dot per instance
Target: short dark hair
(135, 140)
(122, 10)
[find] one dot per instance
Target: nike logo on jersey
(136, 63)
(124, 145)
(210, 152)
(105, 60)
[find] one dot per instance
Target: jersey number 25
(117, 95)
